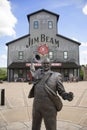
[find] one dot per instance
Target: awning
(16, 65)
(21, 65)
(69, 65)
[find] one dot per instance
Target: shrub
(3, 74)
(81, 74)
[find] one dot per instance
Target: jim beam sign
(39, 64)
(43, 49)
(43, 39)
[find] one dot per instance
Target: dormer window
(36, 25)
(50, 24)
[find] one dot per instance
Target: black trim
(68, 39)
(27, 35)
(56, 35)
(28, 16)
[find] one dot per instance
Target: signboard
(39, 64)
(43, 49)
(56, 64)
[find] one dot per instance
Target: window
(36, 25)
(65, 54)
(20, 55)
(50, 24)
(50, 55)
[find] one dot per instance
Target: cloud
(3, 57)
(66, 3)
(84, 52)
(75, 39)
(85, 9)
(3, 60)
(83, 56)
(84, 44)
(7, 19)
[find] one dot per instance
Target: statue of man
(43, 106)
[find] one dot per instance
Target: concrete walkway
(16, 114)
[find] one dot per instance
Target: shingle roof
(17, 39)
(68, 39)
(28, 16)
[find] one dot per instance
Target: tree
(81, 74)
(3, 74)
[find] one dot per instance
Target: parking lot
(16, 114)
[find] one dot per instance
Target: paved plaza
(16, 114)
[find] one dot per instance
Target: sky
(14, 24)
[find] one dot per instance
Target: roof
(69, 39)
(17, 39)
(21, 65)
(16, 65)
(29, 35)
(70, 65)
(56, 34)
(43, 10)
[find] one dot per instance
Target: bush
(3, 74)
(81, 74)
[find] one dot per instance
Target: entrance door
(66, 74)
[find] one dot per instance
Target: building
(43, 40)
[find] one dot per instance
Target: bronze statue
(46, 99)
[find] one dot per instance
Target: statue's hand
(68, 96)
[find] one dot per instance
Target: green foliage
(3, 74)
(81, 73)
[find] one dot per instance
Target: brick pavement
(16, 113)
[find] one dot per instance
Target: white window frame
(65, 55)
(50, 24)
(36, 24)
(20, 55)
(51, 56)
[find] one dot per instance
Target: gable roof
(29, 35)
(17, 39)
(28, 16)
(42, 10)
(69, 39)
